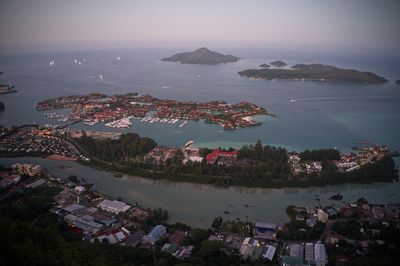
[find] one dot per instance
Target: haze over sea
(309, 114)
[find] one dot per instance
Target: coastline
(118, 171)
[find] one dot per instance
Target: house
(113, 206)
(268, 252)
(156, 233)
(111, 237)
(320, 255)
(378, 213)
(265, 230)
(169, 248)
(183, 252)
(297, 251)
(217, 153)
(322, 216)
(134, 239)
(177, 237)
(80, 189)
(248, 247)
(291, 261)
(85, 223)
(72, 208)
(309, 252)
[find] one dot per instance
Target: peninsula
(202, 56)
(117, 110)
(315, 72)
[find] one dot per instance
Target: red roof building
(216, 153)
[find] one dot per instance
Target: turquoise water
(323, 115)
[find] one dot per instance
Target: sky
(73, 24)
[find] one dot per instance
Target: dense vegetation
(258, 165)
(126, 148)
(320, 155)
(315, 72)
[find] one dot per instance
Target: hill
(278, 63)
(201, 56)
(315, 72)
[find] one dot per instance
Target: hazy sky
(52, 24)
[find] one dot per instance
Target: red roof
(213, 156)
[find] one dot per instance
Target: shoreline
(162, 176)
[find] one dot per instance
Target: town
(63, 144)
(314, 235)
(118, 110)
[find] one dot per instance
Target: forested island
(278, 63)
(201, 56)
(315, 72)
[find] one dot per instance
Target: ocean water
(309, 114)
(321, 115)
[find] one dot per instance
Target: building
(183, 252)
(265, 230)
(320, 256)
(268, 252)
(80, 189)
(291, 261)
(217, 153)
(111, 237)
(156, 233)
(322, 216)
(72, 208)
(134, 239)
(309, 252)
(113, 206)
(297, 251)
(248, 247)
(86, 223)
(378, 213)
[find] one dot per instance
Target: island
(315, 72)
(265, 65)
(398, 82)
(118, 110)
(278, 63)
(201, 56)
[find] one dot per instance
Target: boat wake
(342, 98)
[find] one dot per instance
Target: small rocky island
(202, 56)
(315, 72)
(278, 63)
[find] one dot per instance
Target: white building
(322, 216)
(114, 206)
(320, 256)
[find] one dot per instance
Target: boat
(183, 124)
(187, 144)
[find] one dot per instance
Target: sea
(309, 115)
